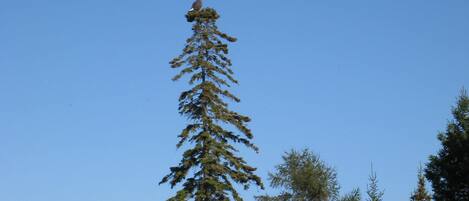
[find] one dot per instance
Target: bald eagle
(196, 6)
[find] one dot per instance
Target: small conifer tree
(212, 157)
(303, 176)
(373, 192)
(352, 196)
(421, 193)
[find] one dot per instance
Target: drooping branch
(213, 157)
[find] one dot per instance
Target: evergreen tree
(352, 196)
(420, 194)
(373, 192)
(213, 156)
(303, 177)
(448, 171)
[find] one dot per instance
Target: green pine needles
(448, 170)
(421, 193)
(373, 192)
(209, 168)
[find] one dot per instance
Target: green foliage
(420, 194)
(448, 171)
(303, 177)
(212, 157)
(373, 192)
(352, 196)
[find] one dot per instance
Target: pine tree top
(421, 193)
(206, 14)
(448, 171)
(373, 192)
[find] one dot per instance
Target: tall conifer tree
(448, 171)
(421, 193)
(208, 169)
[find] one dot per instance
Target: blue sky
(88, 111)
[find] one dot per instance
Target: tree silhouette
(448, 171)
(212, 156)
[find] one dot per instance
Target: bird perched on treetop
(196, 6)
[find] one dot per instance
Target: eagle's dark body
(197, 5)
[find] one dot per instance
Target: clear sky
(88, 111)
